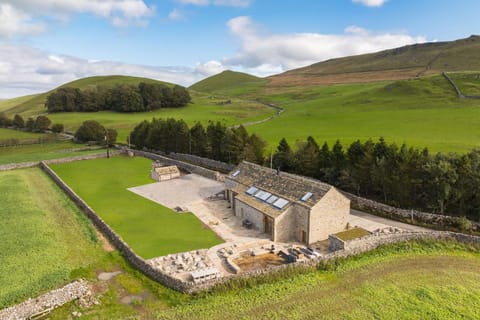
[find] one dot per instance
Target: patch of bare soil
(250, 263)
(106, 245)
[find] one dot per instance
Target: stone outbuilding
(160, 173)
(287, 207)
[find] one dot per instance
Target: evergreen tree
(284, 158)
(18, 121)
(306, 158)
(198, 140)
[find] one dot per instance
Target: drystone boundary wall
(207, 173)
(204, 162)
(45, 303)
(21, 165)
(382, 209)
(457, 89)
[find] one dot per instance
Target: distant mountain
(228, 82)
(34, 104)
(401, 63)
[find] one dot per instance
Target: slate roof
(285, 185)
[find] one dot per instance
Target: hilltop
(229, 82)
(34, 104)
(406, 62)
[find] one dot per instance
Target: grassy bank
(419, 280)
(149, 228)
(44, 239)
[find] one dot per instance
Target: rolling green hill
(34, 104)
(230, 83)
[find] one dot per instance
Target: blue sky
(44, 43)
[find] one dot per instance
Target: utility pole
(106, 142)
(271, 157)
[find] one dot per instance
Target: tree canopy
(121, 98)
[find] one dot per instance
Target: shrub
(57, 128)
(42, 123)
(464, 224)
(90, 130)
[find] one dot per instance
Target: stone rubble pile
(181, 263)
(49, 301)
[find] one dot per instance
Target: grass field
(38, 152)
(149, 228)
(421, 113)
(44, 238)
(19, 135)
(203, 109)
(467, 82)
(427, 280)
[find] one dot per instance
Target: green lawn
(149, 228)
(421, 113)
(44, 238)
(38, 152)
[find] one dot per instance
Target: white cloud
(25, 70)
(176, 15)
(226, 3)
(210, 68)
(19, 17)
(371, 3)
(280, 52)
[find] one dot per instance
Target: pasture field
(44, 238)
(46, 151)
(149, 228)
(467, 82)
(419, 280)
(19, 135)
(203, 109)
(420, 113)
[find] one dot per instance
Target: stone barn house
(286, 206)
(160, 173)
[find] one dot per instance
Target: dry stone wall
(43, 304)
(204, 162)
(207, 173)
(382, 209)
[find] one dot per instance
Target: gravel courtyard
(180, 192)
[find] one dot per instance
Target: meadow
(421, 113)
(19, 135)
(150, 229)
(45, 151)
(417, 280)
(203, 109)
(44, 238)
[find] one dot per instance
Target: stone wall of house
(244, 211)
(203, 162)
(43, 304)
(207, 173)
(330, 215)
(438, 220)
(285, 226)
(301, 222)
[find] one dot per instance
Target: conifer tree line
(401, 176)
(121, 98)
(216, 141)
